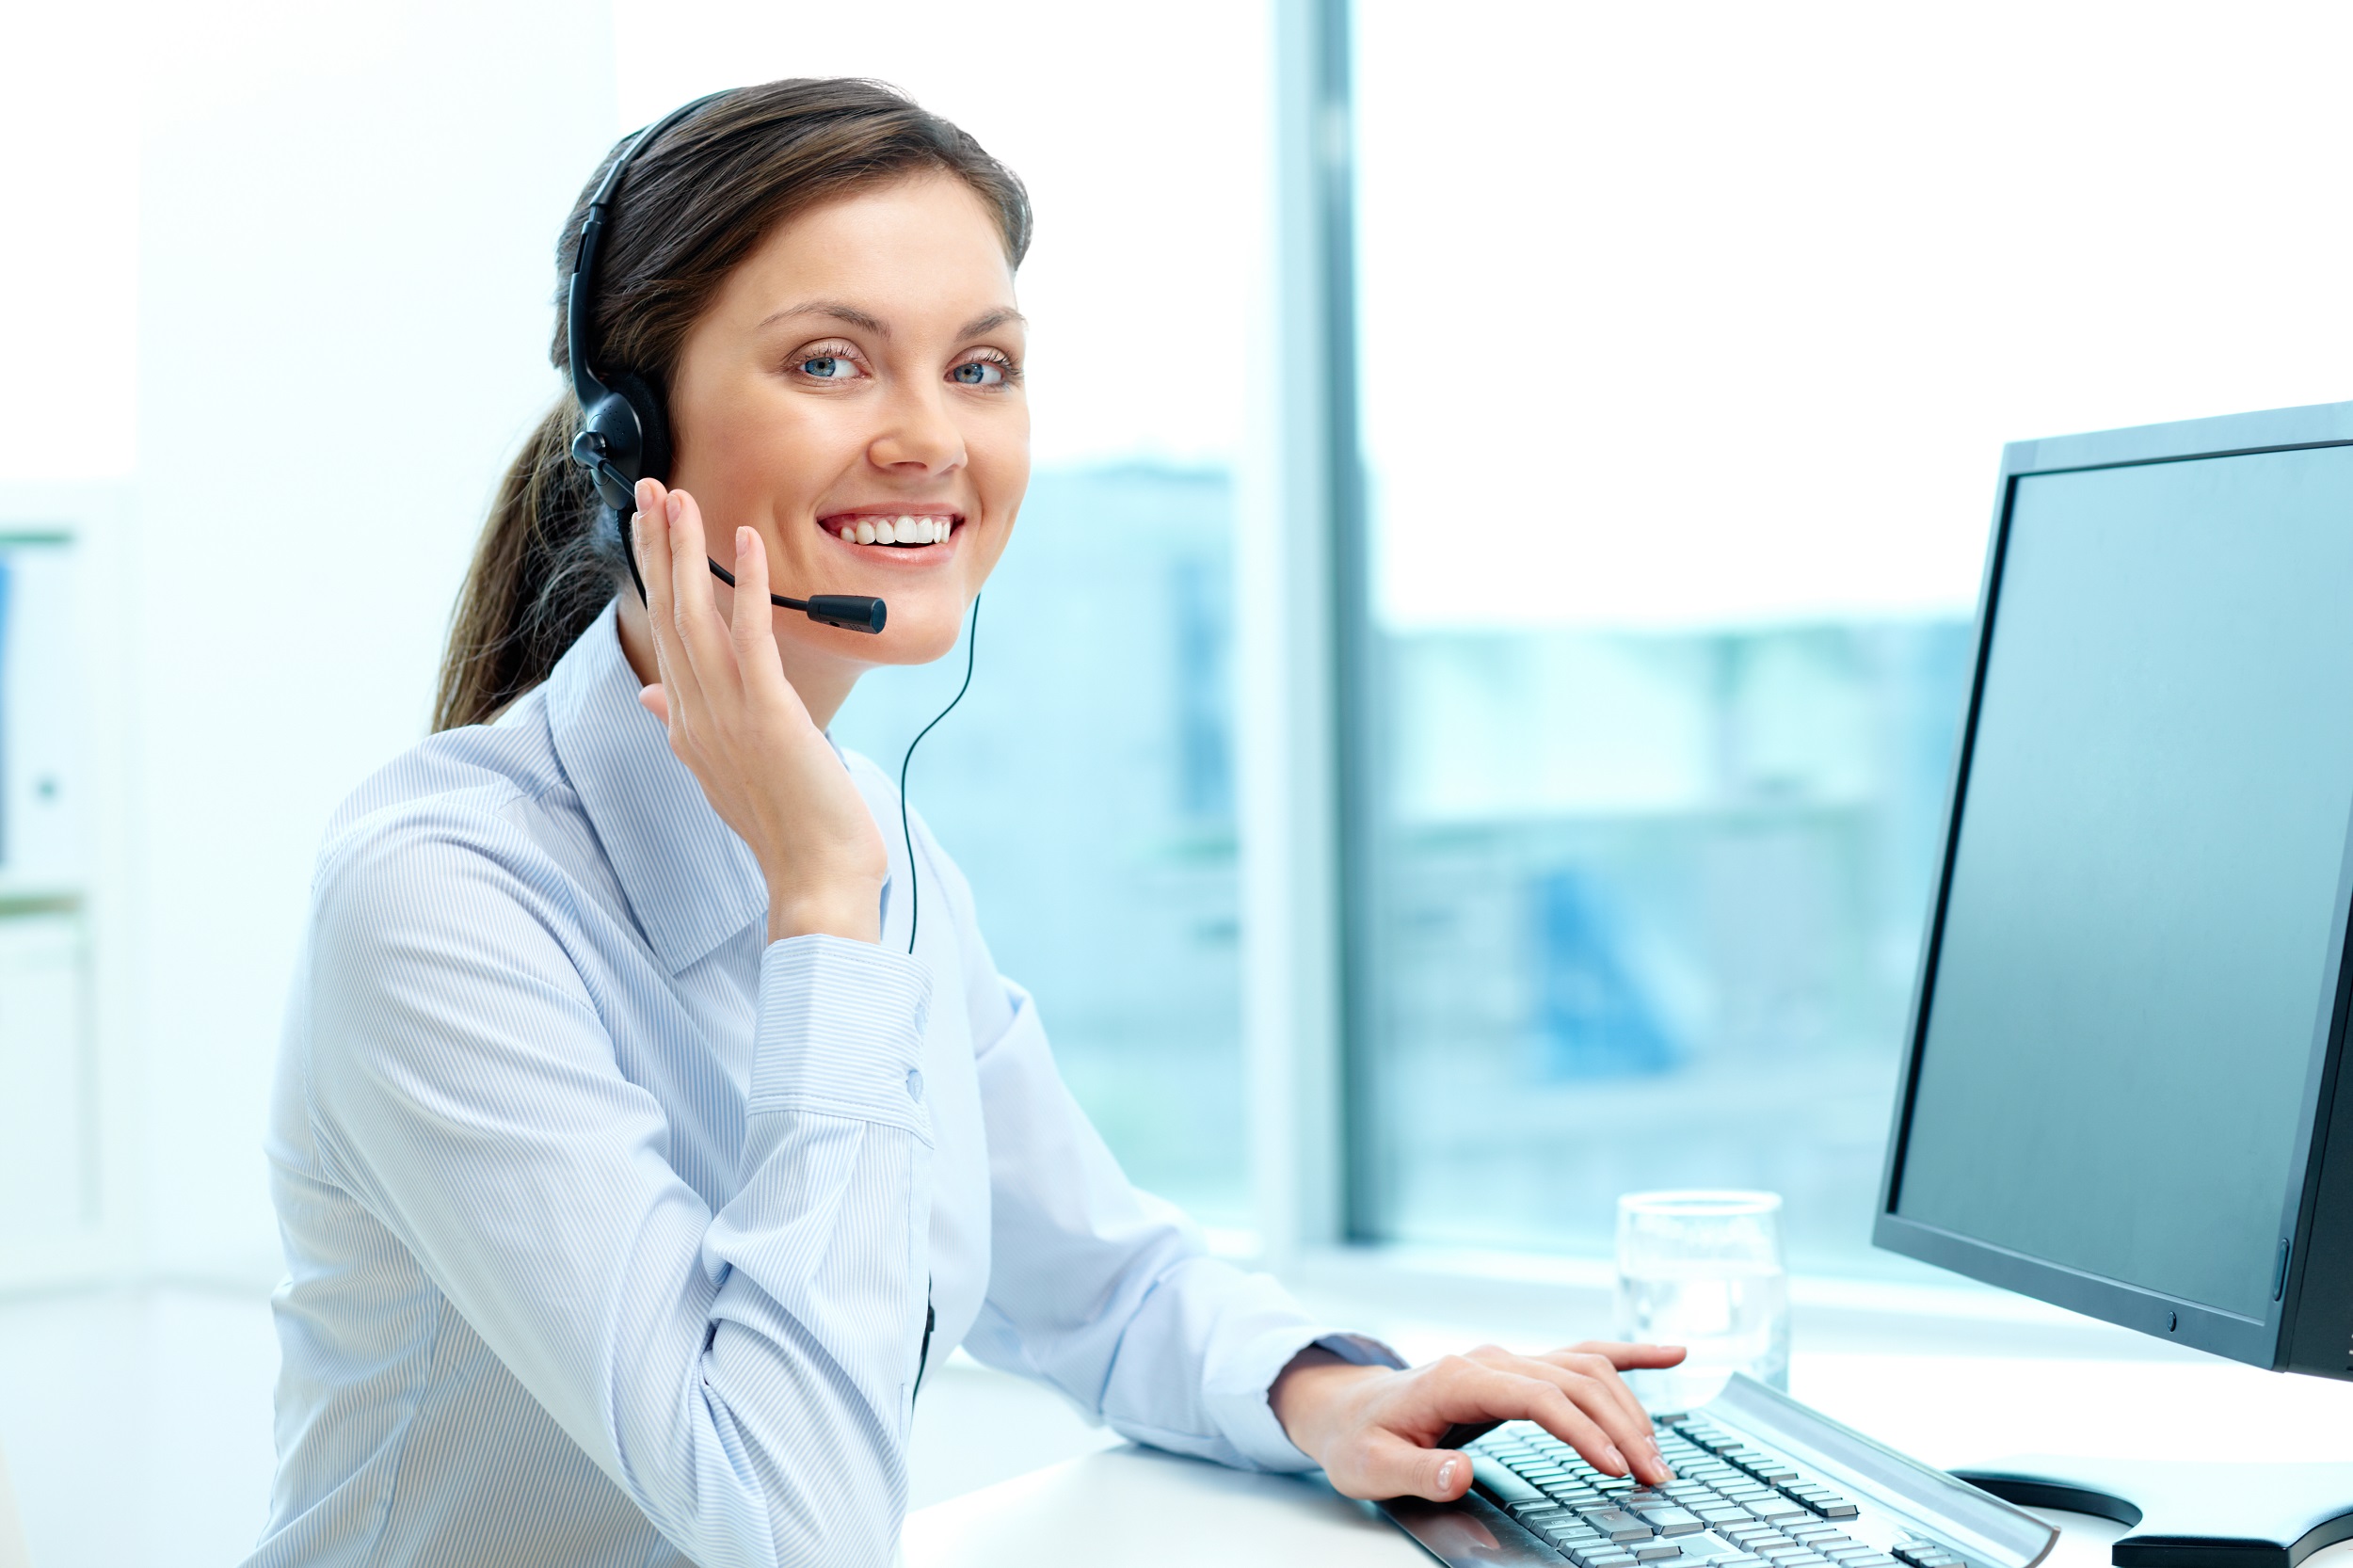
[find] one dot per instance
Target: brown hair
(688, 210)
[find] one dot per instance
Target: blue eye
(828, 367)
(978, 373)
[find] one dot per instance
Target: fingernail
(1617, 1461)
(1445, 1474)
(671, 507)
(743, 542)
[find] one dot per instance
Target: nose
(920, 436)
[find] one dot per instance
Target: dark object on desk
(1761, 1481)
(2120, 1087)
(2198, 1514)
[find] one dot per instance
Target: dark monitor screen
(2132, 975)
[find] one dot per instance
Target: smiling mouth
(899, 531)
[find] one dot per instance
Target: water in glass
(1704, 1271)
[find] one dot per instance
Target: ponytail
(543, 570)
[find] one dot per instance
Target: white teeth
(904, 530)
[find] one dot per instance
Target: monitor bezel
(2260, 1342)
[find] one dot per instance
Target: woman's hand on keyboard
(1371, 1428)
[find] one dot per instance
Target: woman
(629, 1165)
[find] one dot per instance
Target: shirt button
(915, 1084)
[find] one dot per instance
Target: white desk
(1132, 1505)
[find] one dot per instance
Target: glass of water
(1704, 1270)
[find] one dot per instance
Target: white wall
(347, 218)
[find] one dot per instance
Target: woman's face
(862, 367)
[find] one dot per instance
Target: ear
(654, 423)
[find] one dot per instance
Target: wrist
(796, 913)
(1311, 1395)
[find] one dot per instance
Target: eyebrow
(987, 321)
(850, 313)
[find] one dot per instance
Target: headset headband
(586, 386)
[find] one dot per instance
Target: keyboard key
(1620, 1526)
(1776, 1506)
(1500, 1483)
(1835, 1508)
(1657, 1551)
(1668, 1520)
(1605, 1559)
(1564, 1533)
(1872, 1559)
(1923, 1555)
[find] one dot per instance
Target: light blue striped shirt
(608, 1222)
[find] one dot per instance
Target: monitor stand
(2188, 1514)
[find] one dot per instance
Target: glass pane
(1085, 786)
(1688, 341)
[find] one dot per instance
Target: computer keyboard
(1761, 1481)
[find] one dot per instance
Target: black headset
(624, 434)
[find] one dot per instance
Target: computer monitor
(2120, 1086)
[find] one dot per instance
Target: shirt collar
(689, 880)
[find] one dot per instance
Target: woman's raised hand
(739, 726)
(1371, 1428)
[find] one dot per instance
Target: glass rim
(1710, 1202)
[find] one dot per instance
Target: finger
(701, 633)
(1591, 1361)
(1626, 1358)
(1483, 1393)
(655, 701)
(654, 563)
(1384, 1464)
(1592, 1385)
(753, 627)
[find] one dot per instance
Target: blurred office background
(1461, 731)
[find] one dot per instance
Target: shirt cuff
(1240, 1400)
(840, 1032)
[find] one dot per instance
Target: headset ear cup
(653, 424)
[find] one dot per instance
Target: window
(1687, 341)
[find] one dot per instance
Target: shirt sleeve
(743, 1376)
(1109, 1293)
(1102, 1291)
